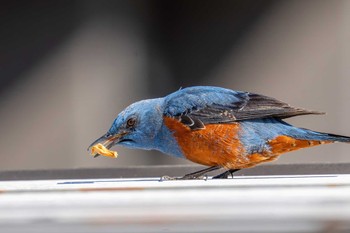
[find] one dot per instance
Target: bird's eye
(131, 122)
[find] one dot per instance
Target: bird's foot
(198, 175)
(185, 177)
(226, 174)
(166, 178)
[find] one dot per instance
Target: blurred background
(68, 67)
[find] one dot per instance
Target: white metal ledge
(249, 203)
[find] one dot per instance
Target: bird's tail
(336, 137)
(323, 137)
(307, 134)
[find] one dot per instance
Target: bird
(216, 127)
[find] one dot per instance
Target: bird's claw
(166, 178)
(227, 174)
(186, 177)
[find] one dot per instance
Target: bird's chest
(217, 144)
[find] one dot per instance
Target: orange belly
(279, 145)
(283, 144)
(219, 145)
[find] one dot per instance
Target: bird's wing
(197, 106)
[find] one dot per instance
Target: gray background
(68, 67)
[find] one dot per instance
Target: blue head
(136, 126)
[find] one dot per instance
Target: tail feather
(338, 138)
(319, 136)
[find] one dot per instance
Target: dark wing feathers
(192, 122)
(226, 106)
(259, 106)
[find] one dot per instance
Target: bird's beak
(107, 141)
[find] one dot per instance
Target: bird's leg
(194, 175)
(226, 174)
(199, 174)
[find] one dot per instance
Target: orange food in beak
(102, 150)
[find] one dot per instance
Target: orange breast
(217, 144)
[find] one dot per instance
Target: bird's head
(135, 127)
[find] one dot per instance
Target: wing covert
(210, 105)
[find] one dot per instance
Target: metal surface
(246, 203)
(180, 170)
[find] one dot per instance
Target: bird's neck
(166, 143)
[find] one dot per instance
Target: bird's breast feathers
(212, 145)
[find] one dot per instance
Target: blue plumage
(194, 98)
